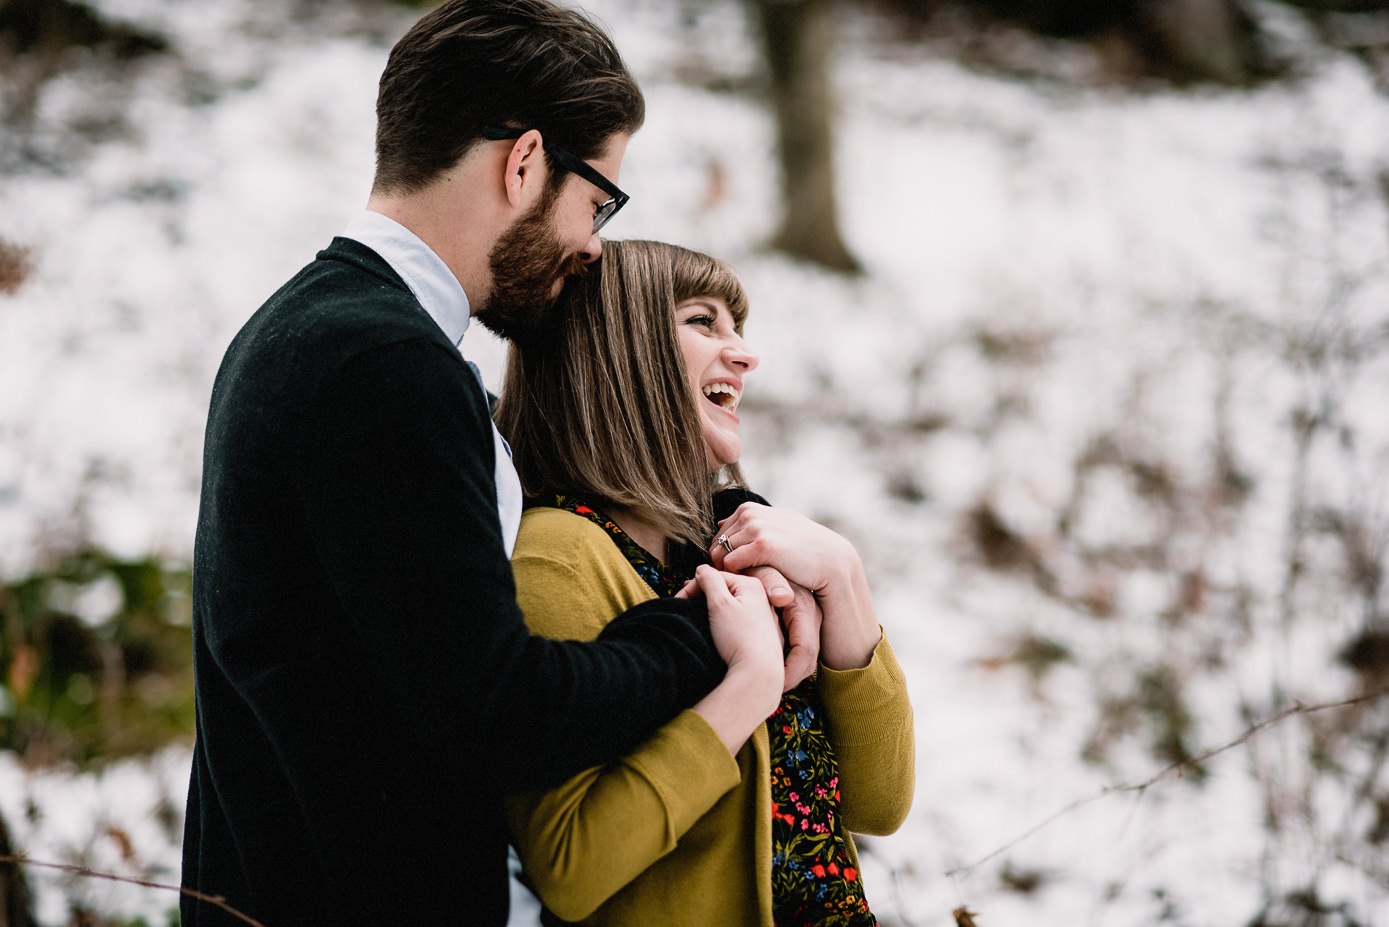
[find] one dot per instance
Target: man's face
(553, 241)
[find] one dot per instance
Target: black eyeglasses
(575, 165)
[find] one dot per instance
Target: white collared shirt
(442, 296)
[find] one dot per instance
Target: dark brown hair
(601, 406)
(522, 63)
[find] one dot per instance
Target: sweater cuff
(689, 766)
(856, 699)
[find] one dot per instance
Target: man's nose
(593, 250)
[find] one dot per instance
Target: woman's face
(716, 362)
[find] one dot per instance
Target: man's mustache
(575, 266)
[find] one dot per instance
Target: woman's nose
(738, 355)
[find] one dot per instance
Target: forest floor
(1105, 416)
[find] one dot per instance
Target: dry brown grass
(16, 263)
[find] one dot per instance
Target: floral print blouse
(814, 880)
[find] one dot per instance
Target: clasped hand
(812, 575)
(830, 613)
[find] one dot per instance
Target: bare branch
(20, 859)
(1295, 709)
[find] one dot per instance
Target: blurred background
(1073, 316)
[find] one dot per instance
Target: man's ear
(526, 170)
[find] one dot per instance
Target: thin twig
(21, 860)
(1191, 762)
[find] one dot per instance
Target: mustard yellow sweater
(679, 832)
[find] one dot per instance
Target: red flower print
(808, 881)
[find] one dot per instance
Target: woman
(623, 424)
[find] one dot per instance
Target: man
(366, 687)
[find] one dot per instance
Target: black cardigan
(366, 687)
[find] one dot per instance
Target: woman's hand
(806, 553)
(814, 557)
(800, 621)
(742, 622)
(748, 637)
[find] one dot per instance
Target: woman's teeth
(725, 395)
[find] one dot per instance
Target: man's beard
(525, 263)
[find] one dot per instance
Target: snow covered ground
(1106, 416)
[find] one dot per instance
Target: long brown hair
(600, 404)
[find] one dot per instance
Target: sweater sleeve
(584, 841)
(868, 720)
(395, 471)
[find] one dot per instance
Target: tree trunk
(49, 26)
(14, 888)
(1186, 41)
(797, 38)
(1205, 40)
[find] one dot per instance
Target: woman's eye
(705, 320)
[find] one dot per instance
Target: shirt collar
(423, 271)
